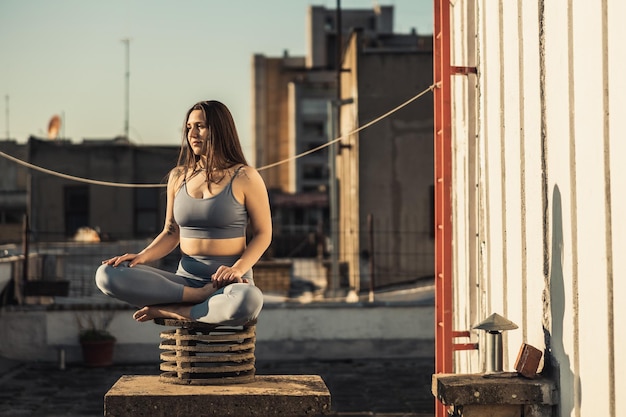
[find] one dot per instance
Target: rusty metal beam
(464, 346)
(463, 70)
(443, 207)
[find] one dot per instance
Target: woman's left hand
(227, 275)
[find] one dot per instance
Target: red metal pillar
(443, 206)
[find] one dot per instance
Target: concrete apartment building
(386, 171)
(295, 112)
(291, 95)
(13, 196)
(58, 207)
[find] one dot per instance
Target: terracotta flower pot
(97, 353)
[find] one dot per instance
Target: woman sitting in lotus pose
(211, 195)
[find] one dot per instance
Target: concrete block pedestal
(266, 396)
(496, 395)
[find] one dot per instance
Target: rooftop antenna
(6, 97)
(126, 42)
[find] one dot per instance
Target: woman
(211, 195)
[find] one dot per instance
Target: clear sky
(67, 57)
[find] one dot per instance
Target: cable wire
(340, 138)
(310, 151)
(79, 179)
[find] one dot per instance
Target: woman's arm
(256, 200)
(167, 240)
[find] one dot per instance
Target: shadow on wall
(560, 365)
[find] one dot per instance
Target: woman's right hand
(133, 259)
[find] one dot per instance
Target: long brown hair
(223, 148)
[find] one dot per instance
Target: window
(146, 211)
(329, 23)
(12, 216)
(314, 172)
(313, 128)
(76, 208)
(312, 188)
(314, 106)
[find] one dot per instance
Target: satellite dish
(54, 126)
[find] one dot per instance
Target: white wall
(284, 331)
(540, 187)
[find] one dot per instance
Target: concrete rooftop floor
(363, 387)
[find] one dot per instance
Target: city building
(296, 115)
(58, 207)
(13, 192)
(385, 172)
(291, 98)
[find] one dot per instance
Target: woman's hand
(133, 259)
(227, 275)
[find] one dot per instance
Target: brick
(528, 360)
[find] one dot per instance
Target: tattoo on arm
(172, 228)
(242, 172)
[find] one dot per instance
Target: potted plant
(96, 341)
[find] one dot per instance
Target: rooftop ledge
(506, 388)
(84, 305)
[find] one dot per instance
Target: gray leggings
(143, 285)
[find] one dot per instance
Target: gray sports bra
(217, 217)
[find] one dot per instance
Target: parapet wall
(284, 331)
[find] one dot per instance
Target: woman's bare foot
(197, 295)
(167, 311)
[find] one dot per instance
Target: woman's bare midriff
(212, 247)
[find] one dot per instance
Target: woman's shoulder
(245, 172)
(176, 176)
(247, 177)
